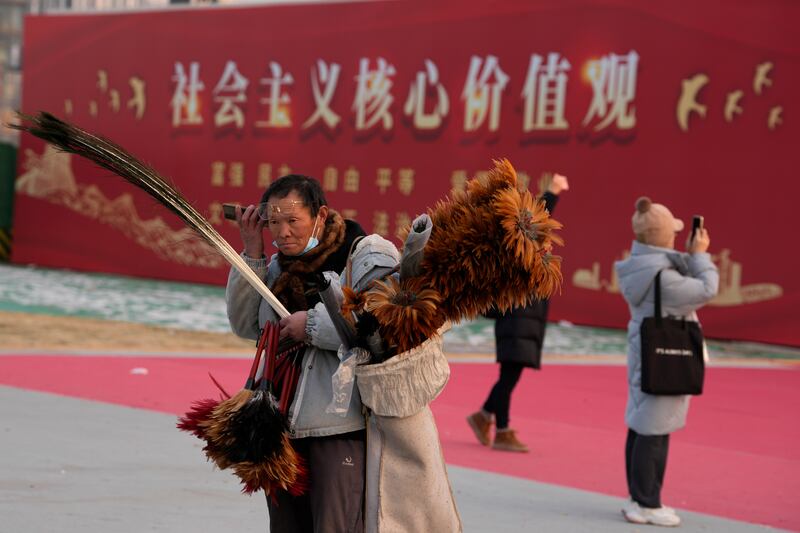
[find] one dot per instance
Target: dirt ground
(25, 331)
(31, 332)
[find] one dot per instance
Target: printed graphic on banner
(731, 290)
(689, 104)
(49, 177)
(391, 125)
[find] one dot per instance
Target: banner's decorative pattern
(626, 99)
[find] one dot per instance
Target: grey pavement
(75, 466)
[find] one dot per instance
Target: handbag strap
(658, 298)
(658, 315)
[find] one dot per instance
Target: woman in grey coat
(688, 281)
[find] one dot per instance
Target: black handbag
(672, 353)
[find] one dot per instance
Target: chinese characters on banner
(222, 100)
(426, 102)
(426, 107)
(625, 105)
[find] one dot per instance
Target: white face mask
(312, 243)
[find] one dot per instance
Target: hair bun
(643, 204)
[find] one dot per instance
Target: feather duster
(490, 246)
(256, 429)
(487, 247)
(287, 472)
(70, 138)
(199, 411)
(225, 425)
(407, 312)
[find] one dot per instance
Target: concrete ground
(78, 466)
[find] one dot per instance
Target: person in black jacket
(519, 335)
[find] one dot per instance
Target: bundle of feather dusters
(248, 432)
(489, 246)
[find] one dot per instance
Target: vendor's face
(291, 224)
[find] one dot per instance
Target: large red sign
(393, 104)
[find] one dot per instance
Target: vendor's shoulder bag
(672, 353)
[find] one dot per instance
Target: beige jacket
(407, 487)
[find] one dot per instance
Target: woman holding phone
(688, 281)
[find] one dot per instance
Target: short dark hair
(307, 187)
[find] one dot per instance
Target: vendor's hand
(294, 326)
(700, 242)
(251, 228)
(558, 184)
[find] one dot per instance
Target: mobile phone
(697, 224)
(229, 211)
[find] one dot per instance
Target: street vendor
(311, 239)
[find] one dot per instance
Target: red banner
(393, 104)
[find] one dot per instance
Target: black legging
(499, 400)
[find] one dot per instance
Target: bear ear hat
(643, 204)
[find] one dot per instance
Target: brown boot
(481, 425)
(507, 441)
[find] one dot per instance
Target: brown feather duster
(487, 247)
(217, 428)
(408, 313)
(484, 187)
(199, 412)
(527, 227)
(550, 277)
(352, 304)
(288, 471)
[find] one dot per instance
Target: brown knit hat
(653, 223)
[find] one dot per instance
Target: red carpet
(737, 458)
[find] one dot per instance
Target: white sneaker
(633, 513)
(663, 516)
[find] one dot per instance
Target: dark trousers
(499, 400)
(334, 500)
(645, 464)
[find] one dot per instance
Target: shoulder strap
(348, 269)
(658, 297)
